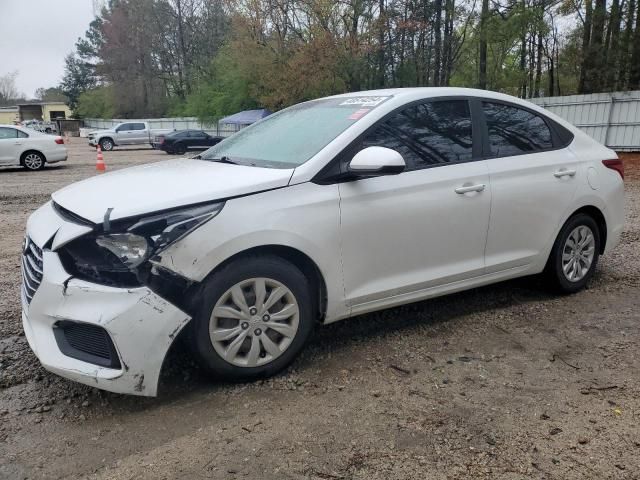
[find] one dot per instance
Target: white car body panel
(11, 149)
(423, 242)
(147, 186)
(377, 242)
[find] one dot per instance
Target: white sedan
(328, 209)
(31, 149)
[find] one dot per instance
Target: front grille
(31, 269)
(86, 342)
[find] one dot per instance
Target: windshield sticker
(365, 101)
(358, 114)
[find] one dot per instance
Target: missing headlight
(117, 254)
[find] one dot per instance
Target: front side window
(8, 133)
(125, 127)
(429, 134)
(514, 131)
(292, 136)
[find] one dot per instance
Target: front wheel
(575, 254)
(106, 144)
(254, 317)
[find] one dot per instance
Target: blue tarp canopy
(247, 117)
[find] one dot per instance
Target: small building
(44, 111)
(9, 115)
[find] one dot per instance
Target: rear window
(515, 131)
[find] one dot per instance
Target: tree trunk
(381, 28)
(536, 91)
(634, 71)
(437, 44)
(613, 45)
(482, 74)
(586, 43)
(625, 47)
(596, 74)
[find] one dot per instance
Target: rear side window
(428, 134)
(514, 131)
(22, 134)
(137, 126)
(8, 133)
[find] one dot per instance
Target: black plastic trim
(67, 349)
(70, 216)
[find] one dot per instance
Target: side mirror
(377, 161)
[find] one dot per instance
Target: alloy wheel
(254, 322)
(33, 161)
(578, 253)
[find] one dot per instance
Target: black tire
(221, 281)
(106, 144)
(554, 268)
(33, 160)
(179, 149)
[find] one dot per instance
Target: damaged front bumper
(134, 326)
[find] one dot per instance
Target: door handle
(563, 172)
(470, 188)
(18, 143)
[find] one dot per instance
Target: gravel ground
(503, 382)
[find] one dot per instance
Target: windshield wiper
(223, 159)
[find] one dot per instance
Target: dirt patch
(505, 382)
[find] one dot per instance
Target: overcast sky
(36, 35)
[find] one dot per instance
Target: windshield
(289, 138)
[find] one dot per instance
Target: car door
(406, 233)
(124, 134)
(10, 146)
(533, 181)
(198, 139)
(140, 133)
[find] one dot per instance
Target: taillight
(59, 141)
(615, 164)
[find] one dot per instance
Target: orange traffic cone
(100, 166)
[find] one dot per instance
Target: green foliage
(96, 103)
(225, 90)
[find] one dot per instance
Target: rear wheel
(254, 317)
(575, 254)
(33, 161)
(180, 149)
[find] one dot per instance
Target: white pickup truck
(128, 133)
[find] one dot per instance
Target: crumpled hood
(159, 186)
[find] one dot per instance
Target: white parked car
(31, 149)
(325, 210)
